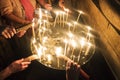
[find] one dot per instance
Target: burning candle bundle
(62, 40)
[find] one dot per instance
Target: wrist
(25, 22)
(9, 71)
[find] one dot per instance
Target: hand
(9, 32)
(61, 4)
(48, 7)
(72, 71)
(21, 33)
(18, 65)
(25, 22)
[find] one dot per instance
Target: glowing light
(66, 10)
(89, 44)
(44, 40)
(39, 51)
(49, 58)
(89, 28)
(59, 40)
(58, 51)
(73, 43)
(40, 13)
(46, 11)
(82, 42)
(33, 41)
(65, 41)
(80, 12)
(70, 35)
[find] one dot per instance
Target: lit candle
(60, 18)
(40, 22)
(74, 45)
(69, 25)
(88, 48)
(82, 43)
(74, 25)
(80, 12)
(66, 42)
(58, 62)
(39, 52)
(30, 58)
(49, 59)
(56, 18)
(58, 52)
(40, 13)
(88, 37)
(33, 29)
(63, 18)
(66, 10)
(46, 12)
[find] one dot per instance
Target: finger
(75, 67)
(20, 60)
(3, 33)
(71, 65)
(7, 34)
(20, 34)
(67, 65)
(25, 63)
(78, 66)
(13, 30)
(11, 33)
(25, 66)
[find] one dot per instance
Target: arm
(61, 3)
(14, 18)
(73, 71)
(42, 2)
(6, 10)
(5, 73)
(14, 67)
(45, 5)
(84, 74)
(8, 32)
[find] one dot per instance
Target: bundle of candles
(61, 40)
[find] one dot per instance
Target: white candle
(74, 26)
(60, 18)
(67, 11)
(56, 18)
(80, 12)
(63, 18)
(47, 18)
(58, 52)
(88, 48)
(33, 29)
(58, 62)
(66, 42)
(78, 17)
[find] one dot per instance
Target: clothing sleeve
(5, 7)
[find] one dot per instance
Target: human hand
(48, 7)
(21, 33)
(18, 65)
(24, 22)
(72, 71)
(61, 4)
(8, 32)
